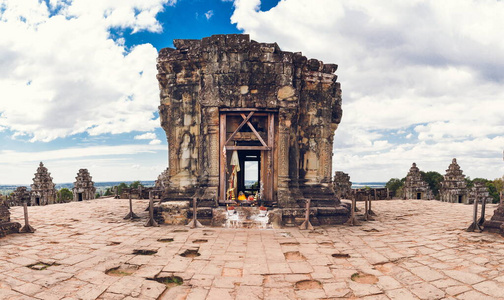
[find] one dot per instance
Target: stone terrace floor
(413, 250)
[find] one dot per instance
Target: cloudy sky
(423, 81)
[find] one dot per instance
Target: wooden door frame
(267, 147)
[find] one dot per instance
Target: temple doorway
(79, 195)
(419, 195)
(247, 155)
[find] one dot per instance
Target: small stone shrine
(83, 186)
(42, 189)
(243, 116)
(454, 187)
(415, 187)
(6, 226)
(342, 185)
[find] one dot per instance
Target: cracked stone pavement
(414, 249)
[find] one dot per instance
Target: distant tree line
(433, 179)
(121, 186)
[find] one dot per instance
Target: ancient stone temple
(6, 226)
(454, 187)
(243, 116)
(83, 186)
(42, 189)
(342, 185)
(415, 187)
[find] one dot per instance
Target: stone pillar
(284, 130)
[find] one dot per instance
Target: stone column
(284, 130)
(210, 153)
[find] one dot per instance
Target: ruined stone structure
(481, 192)
(42, 189)
(496, 223)
(380, 194)
(454, 187)
(163, 181)
(415, 187)
(233, 109)
(342, 185)
(20, 196)
(6, 226)
(83, 186)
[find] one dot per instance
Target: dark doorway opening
(79, 195)
(419, 195)
(249, 177)
(37, 201)
(459, 198)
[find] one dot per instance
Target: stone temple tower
(415, 187)
(42, 189)
(454, 187)
(83, 186)
(243, 116)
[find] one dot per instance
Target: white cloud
(146, 136)
(436, 67)
(209, 14)
(155, 142)
(63, 74)
(14, 157)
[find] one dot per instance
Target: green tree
(97, 195)
(433, 179)
(121, 187)
(493, 191)
(395, 186)
(499, 184)
(108, 192)
(65, 195)
(136, 184)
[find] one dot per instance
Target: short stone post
(151, 222)
(366, 207)
(195, 223)
(306, 224)
(483, 206)
(131, 215)
(482, 218)
(27, 227)
(352, 221)
(371, 212)
(475, 226)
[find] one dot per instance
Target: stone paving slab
(413, 250)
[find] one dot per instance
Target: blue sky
(422, 81)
